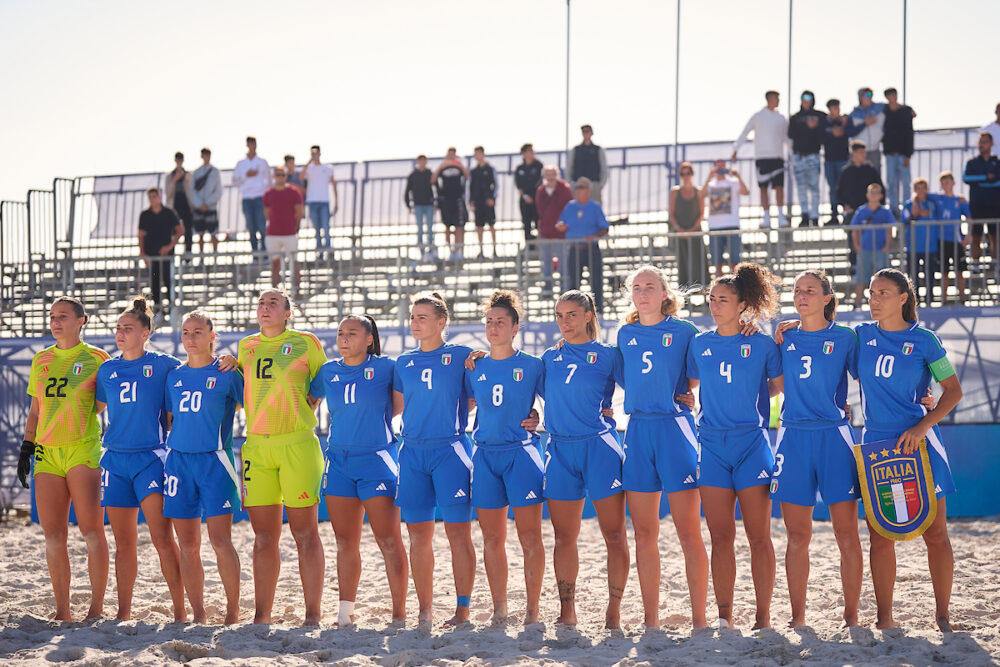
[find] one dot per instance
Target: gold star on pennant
(897, 450)
(873, 456)
(885, 453)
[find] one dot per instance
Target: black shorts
(984, 212)
(485, 215)
(453, 212)
(952, 253)
(205, 221)
(771, 172)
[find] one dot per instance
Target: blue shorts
(811, 460)
(736, 459)
(198, 484)
(503, 476)
(576, 469)
(661, 454)
(943, 482)
(128, 477)
(360, 473)
(435, 477)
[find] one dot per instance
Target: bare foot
(886, 624)
(63, 616)
(397, 624)
(310, 621)
(181, 616)
(425, 617)
(762, 621)
(612, 621)
(232, 617)
(850, 621)
(944, 624)
(261, 618)
(699, 623)
(94, 612)
(123, 615)
(530, 617)
(499, 618)
(461, 616)
(200, 619)
(796, 622)
(568, 619)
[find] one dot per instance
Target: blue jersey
(921, 239)
(203, 403)
(505, 391)
(359, 399)
(873, 239)
(816, 382)
(952, 209)
(435, 405)
(895, 368)
(733, 372)
(135, 393)
(579, 382)
(655, 361)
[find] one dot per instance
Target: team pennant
(897, 488)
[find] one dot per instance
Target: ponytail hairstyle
(508, 300)
(586, 301)
(756, 287)
(905, 286)
(75, 304)
(671, 304)
(368, 322)
(139, 309)
(435, 301)
(830, 309)
(204, 317)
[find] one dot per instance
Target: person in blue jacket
(133, 387)
(199, 472)
(737, 375)
(360, 476)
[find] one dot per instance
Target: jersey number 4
(726, 371)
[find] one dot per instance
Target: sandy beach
(27, 637)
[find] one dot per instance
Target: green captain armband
(941, 369)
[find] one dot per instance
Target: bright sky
(117, 86)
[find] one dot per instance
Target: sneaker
(783, 221)
(480, 255)
(457, 256)
(766, 222)
(833, 220)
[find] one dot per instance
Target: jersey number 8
(498, 395)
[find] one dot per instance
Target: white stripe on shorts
(845, 432)
(535, 457)
(777, 440)
(389, 463)
(938, 446)
(612, 442)
(689, 435)
(228, 466)
(161, 454)
(457, 446)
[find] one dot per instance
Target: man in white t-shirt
(722, 192)
(319, 177)
(770, 137)
(253, 177)
(994, 127)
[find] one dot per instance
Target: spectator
(852, 190)
(204, 194)
(993, 128)
(551, 198)
(159, 231)
(588, 160)
(868, 119)
(483, 197)
(723, 189)
(806, 130)
(836, 133)
(178, 184)
(687, 210)
(284, 211)
(951, 208)
(419, 198)
(319, 177)
(770, 131)
(871, 245)
(583, 222)
(294, 178)
(527, 178)
(449, 179)
(897, 144)
(921, 240)
(982, 174)
(253, 177)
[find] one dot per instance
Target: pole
(903, 91)
(788, 95)
(677, 83)
(566, 137)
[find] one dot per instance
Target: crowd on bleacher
(849, 149)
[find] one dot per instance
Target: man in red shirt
(284, 210)
(550, 199)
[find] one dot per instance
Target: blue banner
(897, 488)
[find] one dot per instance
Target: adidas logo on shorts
(763, 475)
(531, 496)
(380, 487)
(460, 493)
(304, 496)
(689, 480)
(937, 488)
(227, 505)
(707, 353)
(615, 484)
(153, 485)
(851, 492)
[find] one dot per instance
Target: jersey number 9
(426, 376)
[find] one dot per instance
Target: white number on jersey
(648, 361)
(498, 395)
(349, 391)
(426, 376)
(779, 460)
(883, 366)
(127, 394)
(807, 367)
(726, 371)
(170, 486)
(190, 401)
(572, 369)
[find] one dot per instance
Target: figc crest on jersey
(210, 383)
(518, 374)
(668, 338)
(286, 348)
(147, 371)
(446, 358)
(897, 488)
(907, 348)
(591, 357)
(828, 347)
(369, 373)
(77, 368)
(745, 350)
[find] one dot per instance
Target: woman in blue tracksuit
(361, 460)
